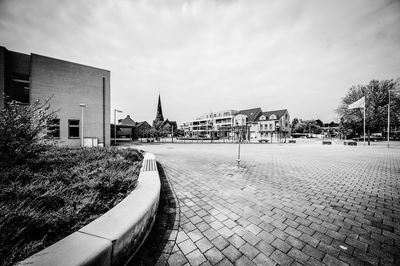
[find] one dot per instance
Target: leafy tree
(376, 101)
(319, 123)
(294, 123)
(22, 130)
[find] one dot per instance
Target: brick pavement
(286, 205)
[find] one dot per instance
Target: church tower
(159, 116)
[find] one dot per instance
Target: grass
(49, 197)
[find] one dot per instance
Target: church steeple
(159, 116)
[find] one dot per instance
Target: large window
(53, 128)
(20, 88)
(73, 129)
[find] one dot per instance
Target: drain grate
(149, 165)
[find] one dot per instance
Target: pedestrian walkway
(285, 205)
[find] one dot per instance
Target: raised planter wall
(114, 237)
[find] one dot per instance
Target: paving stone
(265, 248)
(253, 228)
(280, 234)
(187, 246)
(281, 245)
(211, 233)
(236, 241)
(213, 255)
(176, 259)
(267, 237)
(298, 255)
(249, 250)
(263, 260)
(195, 258)
(292, 241)
(220, 242)
(309, 240)
(281, 258)
(332, 261)
(195, 235)
(224, 262)
(204, 244)
(232, 253)
(244, 261)
(225, 232)
(251, 238)
(311, 251)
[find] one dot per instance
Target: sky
(206, 56)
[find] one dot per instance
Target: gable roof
(278, 113)
(128, 121)
(139, 124)
(252, 114)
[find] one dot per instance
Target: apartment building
(251, 125)
(72, 87)
(211, 125)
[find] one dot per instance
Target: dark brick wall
(11, 62)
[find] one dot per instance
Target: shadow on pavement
(161, 239)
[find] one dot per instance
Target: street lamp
(82, 105)
(239, 133)
(115, 125)
(388, 126)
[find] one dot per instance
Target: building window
(73, 129)
(53, 128)
(20, 88)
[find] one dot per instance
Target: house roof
(252, 114)
(141, 123)
(278, 113)
(161, 124)
(128, 121)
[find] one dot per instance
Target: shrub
(50, 196)
(21, 130)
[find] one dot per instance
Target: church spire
(159, 116)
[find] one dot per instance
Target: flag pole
(364, 124)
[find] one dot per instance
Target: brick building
(27, 78)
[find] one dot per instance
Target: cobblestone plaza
(287, 204)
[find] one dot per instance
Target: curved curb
(114, 237)
(158, 247)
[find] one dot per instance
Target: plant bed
(51, 196)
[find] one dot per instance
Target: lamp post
(240, 137)
(82, 105)
(388, 125)
(115, 125)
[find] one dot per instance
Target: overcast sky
(205, 56)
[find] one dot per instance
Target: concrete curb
(114, 237)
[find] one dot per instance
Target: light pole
(82, 105)
(388, 125)
(115, 125)
(240, 137)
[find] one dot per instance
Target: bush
(22, 130)
(45, 198)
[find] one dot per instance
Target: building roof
(278, 113)
(252, 114)
(138, 124)
(128, 121)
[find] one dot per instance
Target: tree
(319, 123)
(376, 103)
(22, 130)
(294, 124)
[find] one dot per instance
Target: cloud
(215, 55)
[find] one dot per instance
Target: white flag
(358, 104)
